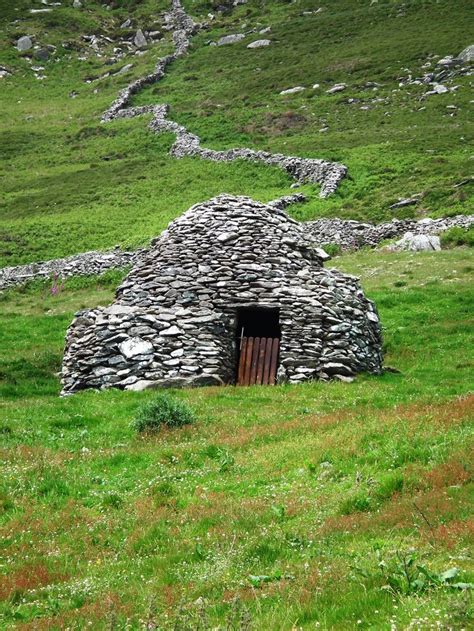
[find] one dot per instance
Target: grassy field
(311, 506)
(71, 184)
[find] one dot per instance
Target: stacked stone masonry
(349, 235)
(352, 235)
(174, 319)
(325, 173)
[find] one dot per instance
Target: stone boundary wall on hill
(323, 172)
(94, 262)
(349, 235)
(352, 235)
(86, 264)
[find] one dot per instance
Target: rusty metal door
(258, 361)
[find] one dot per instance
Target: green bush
(457, 236)
(162, 410)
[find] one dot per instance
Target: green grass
(274, 509)
(71, 184)
(279, 508)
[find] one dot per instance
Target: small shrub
(163, 410)
(457, 236)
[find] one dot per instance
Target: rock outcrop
(174, 319)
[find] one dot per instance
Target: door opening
(258, 331)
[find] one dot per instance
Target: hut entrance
(258, 342)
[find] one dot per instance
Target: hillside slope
(72, 184)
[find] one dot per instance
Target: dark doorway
(258, 332)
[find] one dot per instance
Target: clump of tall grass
(163, 410)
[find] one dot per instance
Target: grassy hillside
(281, 507)
(319, 506)
(71, 184)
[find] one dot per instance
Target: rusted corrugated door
(258, 361)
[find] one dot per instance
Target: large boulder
(418, 243)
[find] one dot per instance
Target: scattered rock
(124, 69)
(409, 201)
(24, 43)
(339, 87)
(126, 24)
(42, 54)
(467, 55)
(77, 4)
(140, 40)
(259, 43)
(230, 39)
(438, 88)
(295, 90)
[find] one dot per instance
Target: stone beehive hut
(230, 270)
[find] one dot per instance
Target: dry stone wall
(352, 235)
(325, 173)
(349, 235)
(86, 264)
(173, 322)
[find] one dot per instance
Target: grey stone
(339, 87)
(467, 55)
(77, 4)
(42, 54)
(172, 331)
(230, 39)
(418, 243)
(224, 237)
(135, 346)
(140, 40)
(295, 90)
(24, 43)
(139, 386)
(259, 43)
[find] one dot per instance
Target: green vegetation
(457, 236)
(162, 411)
(71, 184)
(346, 506)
